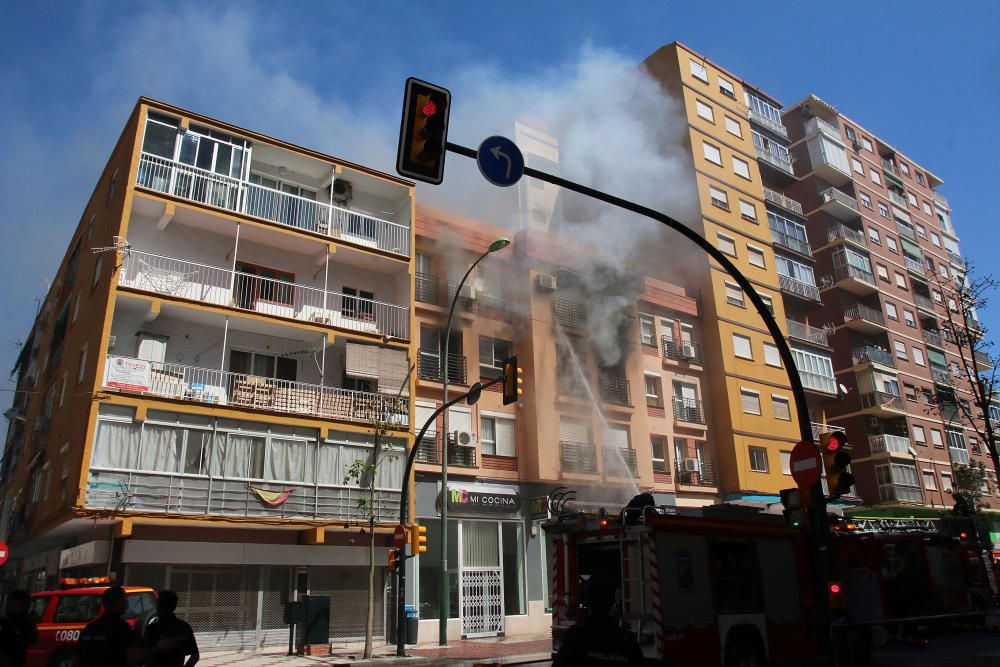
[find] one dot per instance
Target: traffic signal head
(393, 559)
(418, 540)
(512, 382)
(836, 461)
(832, 442)
(423, 131)
(791, 500)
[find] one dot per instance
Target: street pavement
(952, 649)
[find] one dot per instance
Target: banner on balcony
(129, 374)
(271, 498)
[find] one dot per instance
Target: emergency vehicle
(726, 585)
(62, 614)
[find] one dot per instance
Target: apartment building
(230, 319)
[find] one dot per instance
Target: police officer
(109, 641)
(17, 630)
(166, 626)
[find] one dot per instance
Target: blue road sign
(500, 161)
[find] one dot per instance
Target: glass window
(936, 438)
(918, 356)
(77, 608)
(765, 109)
(741, 168)
(719, 197)
(654, 391)
(698, 71)
(786, 463)
(909, 318)
(921, 231)
(758, 459)
(734, 295)
(868, 144)
(891, 244)
(647, 330)
(659, 445)
(771, 356)
(919, 436)
(865, 200)
(929, 482)
(497, 436)
(910, 392)
(492, 353)
(900, 349)
(733, 127)
(750, 400)
(891, 312)
(741, 347)
(876, 177)
(727, 244)
(513, 568)
(160, 137)
(755, 256)
(704, 110)
(711, 153)
(726, 87)
(883, 210)
(873, 235)
(858, 167)
(97, 272)
(790, 268)
(781, 408)
(900, 280)
(748, 211)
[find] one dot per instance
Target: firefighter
(599, 640)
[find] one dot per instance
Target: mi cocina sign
(483, 502)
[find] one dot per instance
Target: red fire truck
(733, 586)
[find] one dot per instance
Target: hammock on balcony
(165, 281)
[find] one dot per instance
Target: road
(954, 649)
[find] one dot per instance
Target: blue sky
(924, 75)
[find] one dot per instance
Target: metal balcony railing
(681, 350)
(889, 166)
(702, 474)
(807, 333)
(778, 199)
(209, 284)
(425, 288)
(940, 198)
(614, 389)
(840, 232)
(895, 444)
(839, 196)
(569, 313)
(881, 400)
(906, 230)
(568, 384)
(933, 338)
(923, 301)
(898, 199)
(798, 288)
(206, 187)
(914, 265)
(614, 457)
(867, 354)
(817, 123)
(956, 259)
(790, 242)
(983, 359)
(818, 382)
(776, 160)
(429, 367)
(770, 124)
(941, 375)
(429, 451)
(206, 385)
(860, 311)
(849, 271)
(578, 456)
(688, 410)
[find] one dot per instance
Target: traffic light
(791, 500)
(418, 540)
(393, 559)
(512, 382)
(423, 131)
(836, 460)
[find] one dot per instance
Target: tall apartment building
(231, 317)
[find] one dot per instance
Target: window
(866, 201)
(873, 235)
(654, 391)
(900, 280)
(698, 71)
(883, 210)
(900, 349)
(711, 153)
(882, 272)
(920, 178)
(936, 438)
(77, 608)
(492, 352)
(891, 243)
(704, 110)
(929, 482)
(82, 369)
(76, 307)
(903, 168)
(768, 302)
(357, 304)
(659, 446)
(726, 88)
(797, 271)
(97, 271)
(727, 244)
(734, 295)
(786, 463)
(741, 347)
(719, 197)
(910, 197)
(891, 312)
(926, 206)
(936, 295)
(748, 211)
(921, 231)
(741, 167)
(927, 396)
(771, 356)
(974, 446)
(909, 319)
(496, 434)
(758, 459)
(858, 167)
(868, 144)
(755, 256)
(647, 330)
(876, 177)
(851, 134)
(733, 127)
(112, 185)
(919, 436)
(918, 356)
(750, 400)
(910, 392)
(945, 476)
(943, 270)
(781, 408)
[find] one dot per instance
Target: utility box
(316, 619)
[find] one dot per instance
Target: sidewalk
(458, 652)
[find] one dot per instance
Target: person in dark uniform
(17, 630)
(111, 642)
(599, 641)
(166, 626)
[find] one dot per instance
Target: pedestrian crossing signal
(423, 131)
(512, 382)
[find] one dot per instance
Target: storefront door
(481, 579)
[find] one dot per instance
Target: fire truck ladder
(633, 581)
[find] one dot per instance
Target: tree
(967, 489)
(364, 473)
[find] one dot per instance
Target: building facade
(229, 324)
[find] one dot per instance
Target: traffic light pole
(818, 510)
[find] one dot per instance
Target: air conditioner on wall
(465, 439)
(546, 282)
(692, 465)
(687, 351)
(467, 291)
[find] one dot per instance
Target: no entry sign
(399, 536)
(806, 464)
(4, 553)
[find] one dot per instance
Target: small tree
(967, 489)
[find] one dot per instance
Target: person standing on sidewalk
(166, 626)
(17, 630)
(110, 641)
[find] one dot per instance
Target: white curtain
(480, 544)
(242, 456)
(504, 434)
(348, 455)
(161, 448)
(290, 460)
(328, 464)
(117, 445)
(390, 469)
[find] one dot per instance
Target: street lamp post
(445, 612)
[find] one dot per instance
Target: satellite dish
(843, 389)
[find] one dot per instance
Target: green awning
(912, 249)
(937, 358)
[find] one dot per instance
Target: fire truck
(727, 585)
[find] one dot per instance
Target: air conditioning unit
(467, 291)
(343, 191)
(465, 439)
(692, 465)
(546, 282)
(687, 351)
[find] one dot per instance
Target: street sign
(500, 161)
(399, 536)
(806, 464)
(4, 553)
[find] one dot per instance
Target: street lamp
(445, 612)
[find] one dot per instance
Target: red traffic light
(834, 442)
(429, 109)
(834, 588)
(963, 535)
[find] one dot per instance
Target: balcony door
(263, 365)
(256, 286)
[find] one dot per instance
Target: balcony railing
(425, 288)
(183, 494)
(893, 444)
(866, 354)
(818, 382)
(889, 166)
(429, 367)
(817, 123)
(614, 389)
(781, 200)
(840, 232)
(681, 350)
(834, 194)
(983, 359)
(688, 410)
(235, 289)
(882, 400)
(897, 199)
(206, 385)
(807, 333)
(940, 198)
(849, 271)
(959, 456)
(790, 242)
(206, 187)
(569, 313)
(799, 288)
(568, 384)
(578, 456)
(779, 161)
(770, 124)
(701, 473)
(615, 457)
(956, 259)
(860, 311)
(923, 301)
(933, 338)
(429, 451)
(941, 375)
(914, 265)
(905, 230)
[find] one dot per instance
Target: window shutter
(392, 368)
(362, 361)
(573, 430)
(504, 437)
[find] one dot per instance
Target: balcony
(779, 162)
(695, 472)
(897, 199)
(882, 404)
(620, 459)
(872, 355)
(956, 259)
(899, 493)
(924, 303)
(569, 314)
(799, 289)
(429, 367)
(778, 199)
(766, 122)
(959, 456)
(798, 245)
(905, 230)
(940, 199)
(824, 384)
(206, 187)
(914, 266)
(854, 280)
(614, 389)
(817, 124)
(863, 319)
(838, 204)
(224, 388)
(688, 410)
(983, 360)
(182, 279)
(568, 384)
(578, 456)
(828, 158)
(888, 166)
(890, 444)
(426, 288)
(806, 333)
(686, 351)
(933, 338)
(840, 232)
(941, 375)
